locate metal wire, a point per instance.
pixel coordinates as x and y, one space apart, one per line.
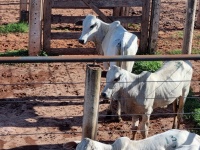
35 83
12 3
76 132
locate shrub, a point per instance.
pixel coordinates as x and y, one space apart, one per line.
151 66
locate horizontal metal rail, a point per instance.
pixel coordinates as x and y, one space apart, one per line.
95 58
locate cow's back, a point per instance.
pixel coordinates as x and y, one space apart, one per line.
113 38
173 80
118 41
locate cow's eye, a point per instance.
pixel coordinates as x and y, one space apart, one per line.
117 79
92 26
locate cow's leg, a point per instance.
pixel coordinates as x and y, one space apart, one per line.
115 109
180 110
135 124
145 123
175 110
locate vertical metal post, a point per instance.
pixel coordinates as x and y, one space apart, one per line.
91 101
189 26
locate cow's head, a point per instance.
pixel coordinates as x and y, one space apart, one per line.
85 144
114 82
90 27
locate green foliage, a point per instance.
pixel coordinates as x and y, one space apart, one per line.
192 105
14 28
43 53
151 66
15 53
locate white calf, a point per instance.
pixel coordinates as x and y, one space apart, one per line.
140 94
169 140
110 39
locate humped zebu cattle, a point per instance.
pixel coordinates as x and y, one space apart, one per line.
110 39
173 139
140 94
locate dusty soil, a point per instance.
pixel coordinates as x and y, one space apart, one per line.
41 105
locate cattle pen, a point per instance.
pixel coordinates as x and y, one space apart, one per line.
38 109
42 97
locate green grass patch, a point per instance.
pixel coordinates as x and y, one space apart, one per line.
150 66
19 53
196 51
14 53
14 28
178 34
179 51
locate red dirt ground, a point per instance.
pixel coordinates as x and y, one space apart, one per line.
44 116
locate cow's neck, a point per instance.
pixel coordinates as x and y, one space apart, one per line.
130 80
131 77
103 30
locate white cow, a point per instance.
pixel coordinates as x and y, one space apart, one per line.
170 140
140 94
110 39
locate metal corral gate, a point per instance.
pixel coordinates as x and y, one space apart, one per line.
95 5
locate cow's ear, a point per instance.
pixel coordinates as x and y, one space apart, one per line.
70 145
79 23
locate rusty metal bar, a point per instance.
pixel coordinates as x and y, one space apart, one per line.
94 58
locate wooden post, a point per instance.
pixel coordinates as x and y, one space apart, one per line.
47 25
121 11
189 26
144 26
35 30
198 17
23 11
91 101
154 26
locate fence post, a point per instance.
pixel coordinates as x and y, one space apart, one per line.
91 101
23 11
154 26
145 27
198 17
189 26
47 25
35 27
121 11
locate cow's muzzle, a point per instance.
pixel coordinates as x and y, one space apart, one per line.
104 95
81 41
